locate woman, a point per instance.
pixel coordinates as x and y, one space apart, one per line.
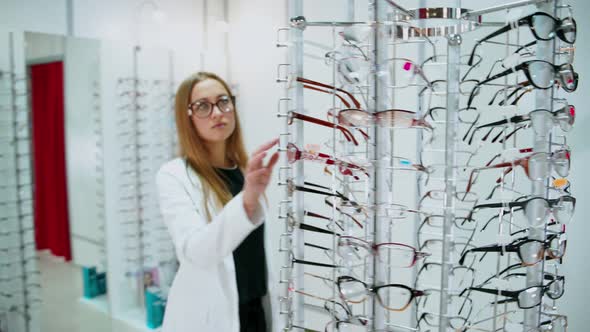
218 239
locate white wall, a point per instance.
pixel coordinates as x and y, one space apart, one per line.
179 28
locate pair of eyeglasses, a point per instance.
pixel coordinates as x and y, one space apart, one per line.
542 25
356 117
512 91
539 208
399 296
345 168
563 117
393 118
536 166
392 254
202 108
526 298
541 74
552 248
504 273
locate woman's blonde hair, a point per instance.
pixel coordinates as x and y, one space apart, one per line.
192 146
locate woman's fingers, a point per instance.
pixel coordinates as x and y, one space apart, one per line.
266 146
256 161
259 179
273 160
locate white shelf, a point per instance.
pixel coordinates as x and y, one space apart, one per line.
136 319
100 303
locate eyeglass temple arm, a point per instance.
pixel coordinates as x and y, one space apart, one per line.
500 31
301 261
525 46
316 246
506 172
512 133
471 179
472 129
490 248
352 98
499 205
502 74
347 104
313 191
312 228
324 123
510 267
514 119
508 293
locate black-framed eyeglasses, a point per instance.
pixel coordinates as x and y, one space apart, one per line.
202 108
552 248
541 74
565 29
356 291
539 208
526 298
563 117
557 282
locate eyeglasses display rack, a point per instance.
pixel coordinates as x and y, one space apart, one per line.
418 102
20 285
146 140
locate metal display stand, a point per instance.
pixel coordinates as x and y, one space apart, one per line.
455 211
20 288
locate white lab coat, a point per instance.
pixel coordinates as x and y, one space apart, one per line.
204 294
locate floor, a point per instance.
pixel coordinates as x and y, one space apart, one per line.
62 309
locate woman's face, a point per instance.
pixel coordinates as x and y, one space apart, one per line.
219 125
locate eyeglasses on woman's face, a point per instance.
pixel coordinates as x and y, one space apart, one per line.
202 108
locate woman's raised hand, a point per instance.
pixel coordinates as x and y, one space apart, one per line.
258 176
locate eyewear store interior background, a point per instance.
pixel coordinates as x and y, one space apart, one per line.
81 239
